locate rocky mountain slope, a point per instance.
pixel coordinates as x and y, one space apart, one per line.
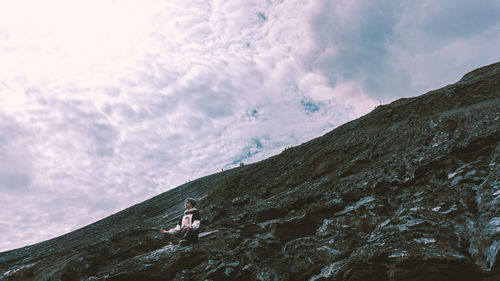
410 191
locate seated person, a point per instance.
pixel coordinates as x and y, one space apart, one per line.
186 230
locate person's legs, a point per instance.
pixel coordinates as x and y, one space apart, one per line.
190 236
174 237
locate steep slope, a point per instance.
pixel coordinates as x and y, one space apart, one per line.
410 191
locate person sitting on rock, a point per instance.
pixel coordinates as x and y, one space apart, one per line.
186 230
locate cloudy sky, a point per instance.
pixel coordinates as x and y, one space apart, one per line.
107 103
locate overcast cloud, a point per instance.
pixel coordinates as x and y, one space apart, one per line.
104 104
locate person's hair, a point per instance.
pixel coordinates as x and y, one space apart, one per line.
191 200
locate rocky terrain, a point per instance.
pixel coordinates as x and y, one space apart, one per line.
411 191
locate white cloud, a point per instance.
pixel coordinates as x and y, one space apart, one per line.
15 159
106 104
440 42
387 45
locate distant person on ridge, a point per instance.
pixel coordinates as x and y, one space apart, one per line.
186 230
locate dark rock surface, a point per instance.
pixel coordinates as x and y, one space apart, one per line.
410 191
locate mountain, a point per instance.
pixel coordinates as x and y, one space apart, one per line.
410 191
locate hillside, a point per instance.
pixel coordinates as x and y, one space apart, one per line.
410 191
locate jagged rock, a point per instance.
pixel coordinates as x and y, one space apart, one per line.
410 191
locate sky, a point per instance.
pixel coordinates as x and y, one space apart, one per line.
107 103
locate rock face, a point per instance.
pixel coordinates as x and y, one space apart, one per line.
410 191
